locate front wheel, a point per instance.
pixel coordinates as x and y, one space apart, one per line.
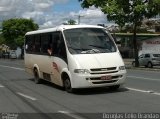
37 80
149 65
67 85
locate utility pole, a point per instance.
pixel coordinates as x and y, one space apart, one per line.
79 18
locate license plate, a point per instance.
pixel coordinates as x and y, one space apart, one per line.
108 77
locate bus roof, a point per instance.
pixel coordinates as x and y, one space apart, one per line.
61 28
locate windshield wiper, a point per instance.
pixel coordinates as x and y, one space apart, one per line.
98 46
101 47
80 49
91 51
74 48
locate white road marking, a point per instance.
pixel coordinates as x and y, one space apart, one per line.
144 91
143 78
26 96
12 67
1 86
71 115
139 90
157 94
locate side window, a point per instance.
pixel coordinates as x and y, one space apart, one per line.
37 44
26 43
44 43
54 43
141 56
147 55
30 47
49 46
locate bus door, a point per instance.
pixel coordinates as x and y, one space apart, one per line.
59 57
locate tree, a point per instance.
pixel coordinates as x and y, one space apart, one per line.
13 31
71 22
127 12
2 40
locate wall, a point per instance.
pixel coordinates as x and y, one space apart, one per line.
151 45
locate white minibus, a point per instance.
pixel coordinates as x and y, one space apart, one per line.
74 56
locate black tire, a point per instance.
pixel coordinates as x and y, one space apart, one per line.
67 85
37 80
150 65
115 87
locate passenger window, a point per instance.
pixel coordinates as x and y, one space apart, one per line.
141 56
30 44
147 55
46 41
37 44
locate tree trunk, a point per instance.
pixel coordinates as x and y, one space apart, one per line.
135 45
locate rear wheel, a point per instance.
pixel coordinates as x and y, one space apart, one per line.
149 65
37 80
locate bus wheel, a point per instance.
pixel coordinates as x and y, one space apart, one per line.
37 80
67 85
116 87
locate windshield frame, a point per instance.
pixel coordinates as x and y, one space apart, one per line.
96 48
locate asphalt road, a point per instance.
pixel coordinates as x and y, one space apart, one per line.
21 97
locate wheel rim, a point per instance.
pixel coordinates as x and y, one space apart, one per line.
67 84
149 65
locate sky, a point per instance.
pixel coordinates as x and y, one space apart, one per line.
50 13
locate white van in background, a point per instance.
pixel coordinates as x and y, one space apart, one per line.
76 56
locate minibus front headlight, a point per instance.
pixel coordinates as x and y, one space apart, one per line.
122 68
81 71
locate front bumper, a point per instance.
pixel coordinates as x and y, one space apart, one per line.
90 80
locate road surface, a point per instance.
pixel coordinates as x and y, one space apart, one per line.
21 97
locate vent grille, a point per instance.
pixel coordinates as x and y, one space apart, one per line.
100 82
103 72
104 69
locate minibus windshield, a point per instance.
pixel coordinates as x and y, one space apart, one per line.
88 41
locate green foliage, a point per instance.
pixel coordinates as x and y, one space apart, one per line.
71 22
127 12
14 30
2 40
129 28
